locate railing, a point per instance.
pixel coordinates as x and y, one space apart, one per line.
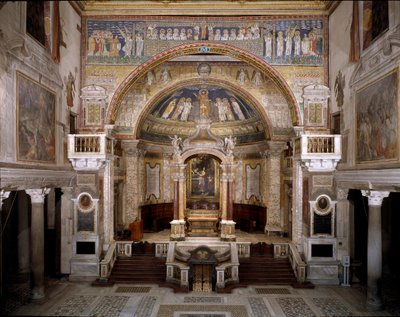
107 264
119 248
318 153
318 144
243 249
87 145
281 250
298 265
161 249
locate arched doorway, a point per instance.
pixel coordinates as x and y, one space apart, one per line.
177 105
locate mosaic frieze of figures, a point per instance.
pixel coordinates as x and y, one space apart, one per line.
279 42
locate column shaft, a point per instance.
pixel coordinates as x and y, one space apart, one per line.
37 241
23 234
229 209
374 255
176 200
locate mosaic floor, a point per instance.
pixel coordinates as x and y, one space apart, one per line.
80 299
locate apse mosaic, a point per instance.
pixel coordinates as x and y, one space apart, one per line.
193 102
277 41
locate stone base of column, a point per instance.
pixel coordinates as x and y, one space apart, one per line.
177 230
228 230
37 294
374 302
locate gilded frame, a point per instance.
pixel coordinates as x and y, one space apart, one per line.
203 178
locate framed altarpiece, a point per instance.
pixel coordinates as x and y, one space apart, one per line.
377 121
203 178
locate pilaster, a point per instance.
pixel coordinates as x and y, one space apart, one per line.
274 183
131 154
297 206
343 222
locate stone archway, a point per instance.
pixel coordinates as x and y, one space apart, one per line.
204 48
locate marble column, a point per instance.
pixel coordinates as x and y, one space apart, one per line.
3 196
178 224
374 256
66 229
23 234
176 198
227 223
274 183
182 186
37 241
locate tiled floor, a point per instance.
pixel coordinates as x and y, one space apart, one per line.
66 298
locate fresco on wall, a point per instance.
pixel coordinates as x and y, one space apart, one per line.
35 121
194 102
277 41
377 120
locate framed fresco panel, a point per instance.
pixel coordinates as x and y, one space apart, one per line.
203 180
35 121
377 120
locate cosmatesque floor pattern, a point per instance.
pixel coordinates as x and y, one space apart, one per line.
64 298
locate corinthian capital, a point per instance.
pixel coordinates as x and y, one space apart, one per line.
37 195
375 198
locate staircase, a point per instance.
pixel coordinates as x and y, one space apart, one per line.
263 269
139 269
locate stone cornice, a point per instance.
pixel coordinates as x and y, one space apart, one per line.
373 179
21 179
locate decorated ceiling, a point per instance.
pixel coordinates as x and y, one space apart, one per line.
179 111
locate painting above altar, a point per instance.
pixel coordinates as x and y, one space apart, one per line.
203 177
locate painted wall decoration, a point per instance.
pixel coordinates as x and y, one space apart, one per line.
377 120
278 41
203 177
193 102
35 121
